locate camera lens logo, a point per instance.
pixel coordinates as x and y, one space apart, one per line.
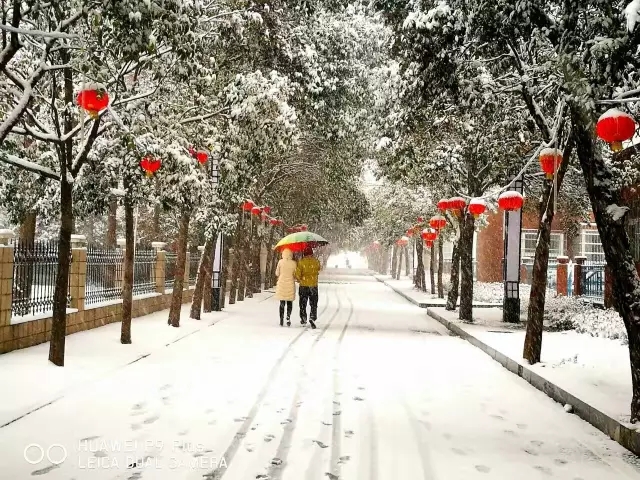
34 453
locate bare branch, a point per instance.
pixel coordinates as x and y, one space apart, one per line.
206 116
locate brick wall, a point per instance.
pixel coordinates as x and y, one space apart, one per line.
27 334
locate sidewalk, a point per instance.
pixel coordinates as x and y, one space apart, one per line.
590 374
29 381
404 287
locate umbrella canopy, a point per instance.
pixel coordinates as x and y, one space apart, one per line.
296 242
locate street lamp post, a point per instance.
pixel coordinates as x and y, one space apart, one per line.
511 262
216 270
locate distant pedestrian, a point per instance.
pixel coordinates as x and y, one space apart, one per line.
307 275
286 286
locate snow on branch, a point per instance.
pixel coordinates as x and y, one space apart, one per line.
39 33
632 13
206 116
29 166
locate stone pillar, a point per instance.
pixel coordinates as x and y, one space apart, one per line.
160 265
561 276
6 280
187 268
577 276
78 275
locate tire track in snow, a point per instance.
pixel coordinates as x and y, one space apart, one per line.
231 451
275 471
336 428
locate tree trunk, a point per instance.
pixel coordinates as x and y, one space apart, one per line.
394 260
205 263
432 269
224 271
407 265
399 265
178 282
454 283
604 202
207 301
440 268
535 315
59 320
421 283
127 284
256 276
110 240
384 267
466 268
235 262
269 261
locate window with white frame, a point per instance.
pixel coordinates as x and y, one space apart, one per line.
592 246
529 240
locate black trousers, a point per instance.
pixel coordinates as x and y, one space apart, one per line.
289 308
309 294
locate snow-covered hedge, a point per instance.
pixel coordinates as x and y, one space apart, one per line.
562 313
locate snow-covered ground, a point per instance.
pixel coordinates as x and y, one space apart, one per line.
378 391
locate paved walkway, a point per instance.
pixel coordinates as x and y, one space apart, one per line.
378 391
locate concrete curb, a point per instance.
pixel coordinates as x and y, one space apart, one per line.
628 438
431 304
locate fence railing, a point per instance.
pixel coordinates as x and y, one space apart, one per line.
144 271
35 266
105 274
170 269
593 280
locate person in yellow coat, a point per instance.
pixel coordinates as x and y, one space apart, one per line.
286 286
307 275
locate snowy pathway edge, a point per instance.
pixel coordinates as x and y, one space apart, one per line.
628 438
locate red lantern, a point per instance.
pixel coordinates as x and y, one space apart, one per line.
267 209
510 201
443 205
438 222
273 222
303 228
429 234
477 207
256 211
93 99
291 230
457 203
615 127
429 243
150 165
202 157
248 205
409 233
550 160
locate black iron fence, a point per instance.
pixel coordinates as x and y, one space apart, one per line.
170 269
105 268
593 280
194 263
35 266
144 271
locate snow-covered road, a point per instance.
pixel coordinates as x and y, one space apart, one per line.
379 391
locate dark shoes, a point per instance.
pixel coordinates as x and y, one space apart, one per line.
312 323
288 322
303 321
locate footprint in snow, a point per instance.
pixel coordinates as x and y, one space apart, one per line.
545 470
337 412
44 471
335 402
276 461
326 423
358 399
360 388
249 448
263 476
135 476
537 443
458 451
150 420
285 421
320 444
348 433
138 406
522 426
560 461
238 420
166 400
510 432
498 417
344 459
332 476
268 438
483 468
530 452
